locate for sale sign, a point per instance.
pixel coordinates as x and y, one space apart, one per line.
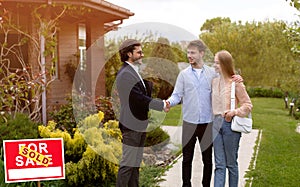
33 160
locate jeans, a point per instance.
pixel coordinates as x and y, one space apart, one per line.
190 133
226 145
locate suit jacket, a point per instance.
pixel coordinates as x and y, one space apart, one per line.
135 99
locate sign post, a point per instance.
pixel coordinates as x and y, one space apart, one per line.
33 160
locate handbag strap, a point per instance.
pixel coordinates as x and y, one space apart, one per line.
232 96
232 99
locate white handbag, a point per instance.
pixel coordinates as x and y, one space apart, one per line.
239 124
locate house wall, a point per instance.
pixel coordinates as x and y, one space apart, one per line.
61 87
95 43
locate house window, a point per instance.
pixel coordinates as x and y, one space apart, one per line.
82 46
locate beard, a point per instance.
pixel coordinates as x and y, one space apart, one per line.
137 61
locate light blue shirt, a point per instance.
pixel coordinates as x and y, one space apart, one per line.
195 93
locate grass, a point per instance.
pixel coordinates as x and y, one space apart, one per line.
173 117
278 160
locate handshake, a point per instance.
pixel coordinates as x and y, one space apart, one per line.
167 106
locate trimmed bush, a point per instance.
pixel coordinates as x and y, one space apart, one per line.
265 92
156 136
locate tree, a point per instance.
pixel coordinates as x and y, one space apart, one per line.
293 31
294 3
161 68
261 51
210 24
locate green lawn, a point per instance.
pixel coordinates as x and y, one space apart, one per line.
278 160
173 117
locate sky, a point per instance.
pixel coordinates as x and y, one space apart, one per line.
189 15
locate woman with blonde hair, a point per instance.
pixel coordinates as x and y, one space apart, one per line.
226 141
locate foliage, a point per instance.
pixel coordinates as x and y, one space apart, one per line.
293 31
161 68
22 82
64 117
156 50
69 114
19 92
92 153
18 127
265 92
74 146
24 72
261 51
209 25
104 104
156 136
149 176
91 170
112 65
294 3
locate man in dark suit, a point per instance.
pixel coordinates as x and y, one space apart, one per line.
135 100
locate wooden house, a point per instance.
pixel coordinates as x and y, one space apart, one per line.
79 38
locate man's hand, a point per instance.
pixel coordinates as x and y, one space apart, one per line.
167 108
237 78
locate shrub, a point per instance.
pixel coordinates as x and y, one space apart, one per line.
20 127
149 176
156 136
74 146
104 104
265 92
92 153
297 115
64 118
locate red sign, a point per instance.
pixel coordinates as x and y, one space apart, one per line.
33 160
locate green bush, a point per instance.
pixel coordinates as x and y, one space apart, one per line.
87 152
297 115
265 92
149 176
156 136
20 127
64 117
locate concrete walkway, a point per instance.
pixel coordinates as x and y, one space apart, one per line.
173 175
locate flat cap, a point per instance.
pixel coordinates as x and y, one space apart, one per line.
128 42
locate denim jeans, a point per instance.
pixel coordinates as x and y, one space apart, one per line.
226 145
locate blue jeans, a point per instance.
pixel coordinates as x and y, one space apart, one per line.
226 145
